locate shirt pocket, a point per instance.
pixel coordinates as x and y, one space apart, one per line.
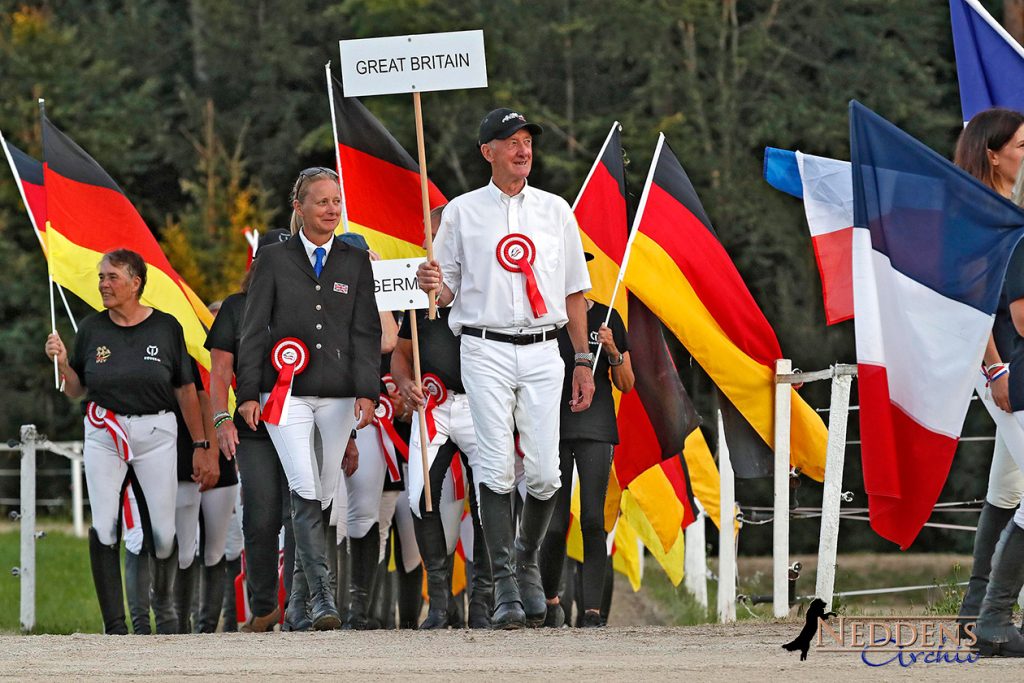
549 252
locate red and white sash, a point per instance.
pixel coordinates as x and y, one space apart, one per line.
101 418
390 441
289 357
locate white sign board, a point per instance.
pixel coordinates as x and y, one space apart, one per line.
394 283
419 63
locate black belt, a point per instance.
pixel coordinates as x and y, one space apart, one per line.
517 339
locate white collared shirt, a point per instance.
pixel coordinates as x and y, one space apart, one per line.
487 295
310 247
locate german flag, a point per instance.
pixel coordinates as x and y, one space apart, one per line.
381 182
656 419
87 215
28 174
688 280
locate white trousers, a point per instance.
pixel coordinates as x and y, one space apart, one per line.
309 476
364 488
454 422
394 509
236 540
514 387
154 444
1005 479
216 507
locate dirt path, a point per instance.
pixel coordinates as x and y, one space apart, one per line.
744 652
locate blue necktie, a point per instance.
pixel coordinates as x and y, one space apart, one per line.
319 252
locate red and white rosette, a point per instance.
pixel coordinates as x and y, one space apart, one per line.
436 394
390 385
101 418
289 357
390 441
516 254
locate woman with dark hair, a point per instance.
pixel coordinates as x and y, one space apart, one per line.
308 360
131 364
265 490
990 148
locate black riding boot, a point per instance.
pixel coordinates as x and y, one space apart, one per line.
106 574
991 523
362 570
296 613
499 530
138 580
184 595
230 607
532 527
482 597
433 549
997 636
311 550
165 572
211 601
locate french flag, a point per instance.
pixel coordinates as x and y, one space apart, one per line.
930 251
989 62
824 185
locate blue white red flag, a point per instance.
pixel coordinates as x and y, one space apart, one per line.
931 246
989 62
825 186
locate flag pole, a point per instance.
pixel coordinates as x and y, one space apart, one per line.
337 149
421 415
632 233
35 226
49 272
424 194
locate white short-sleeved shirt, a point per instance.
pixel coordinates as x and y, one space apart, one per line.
487 295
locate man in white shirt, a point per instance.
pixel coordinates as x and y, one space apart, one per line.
510 260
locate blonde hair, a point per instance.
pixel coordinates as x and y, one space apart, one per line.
301 189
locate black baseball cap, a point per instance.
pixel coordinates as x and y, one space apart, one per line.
354 239
501 123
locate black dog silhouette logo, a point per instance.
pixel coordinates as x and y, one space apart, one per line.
802 642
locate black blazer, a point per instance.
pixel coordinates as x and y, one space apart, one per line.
335 315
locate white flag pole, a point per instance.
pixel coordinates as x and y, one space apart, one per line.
633 230
337 149
49 274
35 226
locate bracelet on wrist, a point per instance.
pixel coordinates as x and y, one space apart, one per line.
585 364
616 361
221 421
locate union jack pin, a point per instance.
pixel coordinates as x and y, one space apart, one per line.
340 288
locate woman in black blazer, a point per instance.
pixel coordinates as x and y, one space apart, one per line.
309 357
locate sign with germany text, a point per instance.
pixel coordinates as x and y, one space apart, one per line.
416 63
394 284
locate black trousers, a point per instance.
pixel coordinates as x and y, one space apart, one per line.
266 508
593 464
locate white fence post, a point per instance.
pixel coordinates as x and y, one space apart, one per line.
695 570
726 532
828 541
77 504
780 524
27 568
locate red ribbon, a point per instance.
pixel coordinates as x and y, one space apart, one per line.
516 253
101 418
460 484
129 520
289 357
436 394
389 439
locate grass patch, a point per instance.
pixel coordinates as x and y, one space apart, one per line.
65 598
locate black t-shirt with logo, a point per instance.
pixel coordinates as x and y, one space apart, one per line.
597 423
132 370
225 336
1013 289
439 347
228 473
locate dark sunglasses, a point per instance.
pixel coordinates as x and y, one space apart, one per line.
317 170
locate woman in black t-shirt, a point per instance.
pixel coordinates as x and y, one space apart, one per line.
991 148
131 364
588 440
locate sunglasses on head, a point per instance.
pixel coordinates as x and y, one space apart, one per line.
317 170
